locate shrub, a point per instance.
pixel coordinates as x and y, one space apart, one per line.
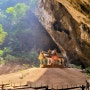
3 62
88 70
10 58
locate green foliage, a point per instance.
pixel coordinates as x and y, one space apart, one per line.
30 58
78 67
11 58
33 54
1 53
18 23
6 50
18 11
27 59
34 58
2 34
75 66
88 70
2 16
3 62
10 10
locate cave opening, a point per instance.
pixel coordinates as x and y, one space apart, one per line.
41 38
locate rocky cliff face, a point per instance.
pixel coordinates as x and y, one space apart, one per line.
67 22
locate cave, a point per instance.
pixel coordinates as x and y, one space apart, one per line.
40 38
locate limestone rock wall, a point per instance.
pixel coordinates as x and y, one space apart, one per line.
70 34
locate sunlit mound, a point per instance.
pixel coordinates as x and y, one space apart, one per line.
45 76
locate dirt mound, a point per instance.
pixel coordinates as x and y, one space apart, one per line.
61 77
46 76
